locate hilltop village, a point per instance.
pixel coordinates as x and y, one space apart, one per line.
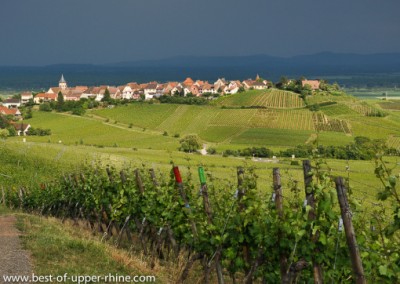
147 91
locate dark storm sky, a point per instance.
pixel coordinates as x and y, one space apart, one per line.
40 32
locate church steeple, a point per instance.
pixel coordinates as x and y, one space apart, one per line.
62 83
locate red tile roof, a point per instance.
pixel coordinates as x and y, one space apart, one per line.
46 96
314 84
9 111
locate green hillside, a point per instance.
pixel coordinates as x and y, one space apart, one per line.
271 98
277 118
69 129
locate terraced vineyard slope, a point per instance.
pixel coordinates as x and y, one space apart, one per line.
271 98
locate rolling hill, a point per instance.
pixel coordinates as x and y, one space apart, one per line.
271 118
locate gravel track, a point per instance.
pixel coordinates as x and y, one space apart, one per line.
13 259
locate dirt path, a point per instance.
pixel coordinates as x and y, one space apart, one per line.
13 260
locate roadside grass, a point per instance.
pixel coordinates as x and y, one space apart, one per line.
58 248
4 210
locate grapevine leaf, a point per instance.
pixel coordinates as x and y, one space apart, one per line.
322 238
392 181
383 270
301 233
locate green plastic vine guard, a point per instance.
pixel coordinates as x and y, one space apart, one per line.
202 176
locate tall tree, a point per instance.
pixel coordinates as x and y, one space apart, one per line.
60 101
107 96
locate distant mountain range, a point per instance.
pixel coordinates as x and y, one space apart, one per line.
324 62
205 68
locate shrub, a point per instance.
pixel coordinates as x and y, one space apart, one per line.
4 133
78 111
190 143
38 132
11 131
45 107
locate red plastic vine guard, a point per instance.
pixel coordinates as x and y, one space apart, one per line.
177 174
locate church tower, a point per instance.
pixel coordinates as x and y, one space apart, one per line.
62 84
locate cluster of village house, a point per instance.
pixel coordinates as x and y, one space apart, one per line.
134 91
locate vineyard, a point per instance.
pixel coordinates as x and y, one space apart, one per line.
394 142
279 99
365 109
219 133
272 98
390 105
338 110
283 119
233 117
72 130
323 123
275 137
224 121
233 231
141 115
324 98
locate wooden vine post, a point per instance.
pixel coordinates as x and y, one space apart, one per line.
153 177
317 271
207 209
349 231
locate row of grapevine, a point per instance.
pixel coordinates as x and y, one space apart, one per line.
366 110
393 142
233 117
323 123
234 231
390 105
279 99
285 119
337 110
